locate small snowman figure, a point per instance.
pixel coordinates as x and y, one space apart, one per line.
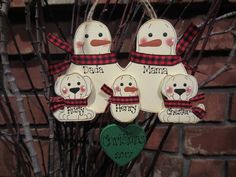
124 99
154 58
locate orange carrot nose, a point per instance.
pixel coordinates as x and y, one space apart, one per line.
152 43
130 89
97 42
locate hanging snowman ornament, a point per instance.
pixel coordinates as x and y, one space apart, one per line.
91 56
180 93
71 103
92 44
124 100
157 55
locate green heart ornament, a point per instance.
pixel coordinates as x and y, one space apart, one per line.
122 144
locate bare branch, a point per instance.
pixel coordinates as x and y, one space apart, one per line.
12 82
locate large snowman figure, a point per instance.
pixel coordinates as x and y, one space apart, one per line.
92 58
154 58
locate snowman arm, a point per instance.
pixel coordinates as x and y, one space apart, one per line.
186 38
60 43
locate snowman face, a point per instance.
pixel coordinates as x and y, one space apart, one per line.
179 87
92 37
157 37
125 85
73 86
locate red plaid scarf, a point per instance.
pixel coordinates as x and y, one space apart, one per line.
118 99
58 103
149 59
98 59
188 105
186 39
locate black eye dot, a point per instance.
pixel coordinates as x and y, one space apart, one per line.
100 34
78 83
184 84
164 34
174 85
121 84
69 84
130 84
150 34
86 35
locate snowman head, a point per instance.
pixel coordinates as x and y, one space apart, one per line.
158 37
125 85
92 37
73 86
179 87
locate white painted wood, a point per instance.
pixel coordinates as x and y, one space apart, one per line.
179 87
125 86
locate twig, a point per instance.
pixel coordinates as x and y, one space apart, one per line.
210 28
12 83
227 66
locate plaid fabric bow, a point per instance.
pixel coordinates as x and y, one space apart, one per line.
188 105
98 59
58 103
118 99
186 39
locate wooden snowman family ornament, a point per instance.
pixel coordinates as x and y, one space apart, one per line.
155 80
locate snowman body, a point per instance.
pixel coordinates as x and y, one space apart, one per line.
92 39
155 57
124 100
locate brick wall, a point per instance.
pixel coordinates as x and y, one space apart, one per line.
207 149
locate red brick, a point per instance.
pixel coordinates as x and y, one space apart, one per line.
33 104
232 108
206 168
166 166
215 106
213 42
24 43
210 140
171 143
21 78
42 157
7 160
210 65
232 168
39 132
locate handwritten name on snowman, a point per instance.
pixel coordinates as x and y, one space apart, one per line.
126 108
75 110
174 111
93 70
147 69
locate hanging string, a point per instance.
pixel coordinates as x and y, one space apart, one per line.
149 8
90 14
